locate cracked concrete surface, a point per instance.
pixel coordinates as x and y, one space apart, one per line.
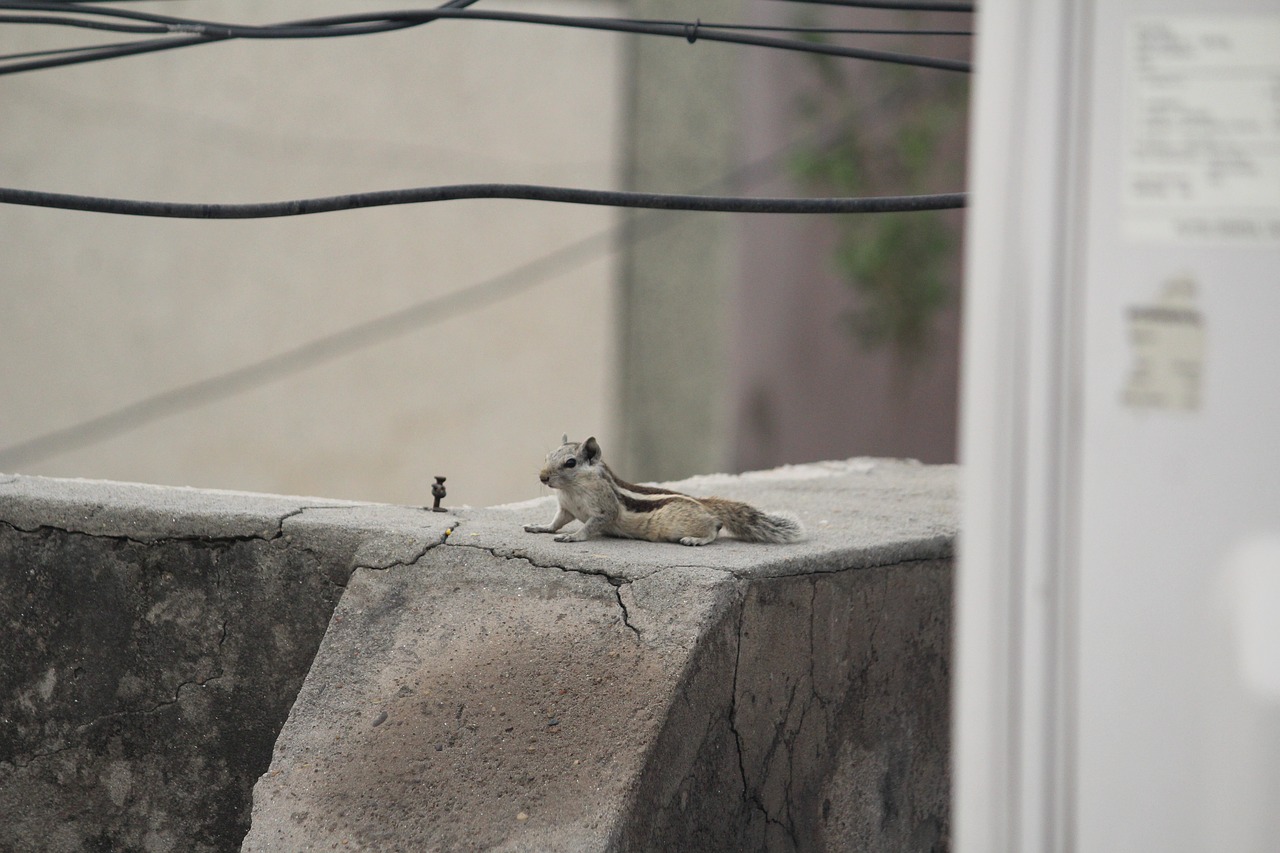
155 640
859 513
462 684
515 693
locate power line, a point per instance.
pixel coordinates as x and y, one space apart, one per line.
414 317
530 192
61 51
111 50
75 56
835 31
63 21
361 336
195 31
299 32
168 25
896 5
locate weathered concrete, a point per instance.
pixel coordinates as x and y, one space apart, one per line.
155 639
476 687
515 693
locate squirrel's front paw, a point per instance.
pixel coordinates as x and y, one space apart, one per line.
537 528
567 537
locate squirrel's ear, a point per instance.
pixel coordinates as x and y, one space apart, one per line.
565 438
591 449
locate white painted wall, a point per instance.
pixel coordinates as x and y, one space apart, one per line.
99 311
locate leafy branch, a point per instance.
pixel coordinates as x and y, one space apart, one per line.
890 129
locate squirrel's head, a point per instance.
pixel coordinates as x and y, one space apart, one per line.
569 461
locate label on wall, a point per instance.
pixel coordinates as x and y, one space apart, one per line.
1202 130
1166 337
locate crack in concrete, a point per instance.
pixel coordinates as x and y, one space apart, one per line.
733 711
823 701
626 616
861 678
781 740
779 729
786 734
787 798
517 554
224 540
616 581
751 795
81 729
400 564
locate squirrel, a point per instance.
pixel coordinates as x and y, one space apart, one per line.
609 506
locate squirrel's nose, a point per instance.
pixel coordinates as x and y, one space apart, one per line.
544 477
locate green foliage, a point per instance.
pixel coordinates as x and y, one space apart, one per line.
899 269
900 139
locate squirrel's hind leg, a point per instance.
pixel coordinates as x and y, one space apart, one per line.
706 535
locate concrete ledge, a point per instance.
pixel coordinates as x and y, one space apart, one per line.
475 687
510 692
155 640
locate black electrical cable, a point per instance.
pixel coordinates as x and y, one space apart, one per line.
362 335
369 23
61 51
76 56
64 21
215 31
896 5
829 31
530 192
171 25
168 24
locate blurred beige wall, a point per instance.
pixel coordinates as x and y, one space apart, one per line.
100 311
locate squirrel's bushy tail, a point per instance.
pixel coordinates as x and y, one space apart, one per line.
745 522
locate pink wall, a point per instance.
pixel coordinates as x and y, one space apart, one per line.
803 387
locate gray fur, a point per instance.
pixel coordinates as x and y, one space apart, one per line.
610 506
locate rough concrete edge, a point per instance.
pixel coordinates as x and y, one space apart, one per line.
647 789
397 534
146 513
808 556
356 536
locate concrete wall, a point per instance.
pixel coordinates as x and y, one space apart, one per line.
677 276
475 686
103 311
156 639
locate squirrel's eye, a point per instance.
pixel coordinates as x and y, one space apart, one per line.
570 462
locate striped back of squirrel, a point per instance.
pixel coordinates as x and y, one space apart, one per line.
587 484
741 520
